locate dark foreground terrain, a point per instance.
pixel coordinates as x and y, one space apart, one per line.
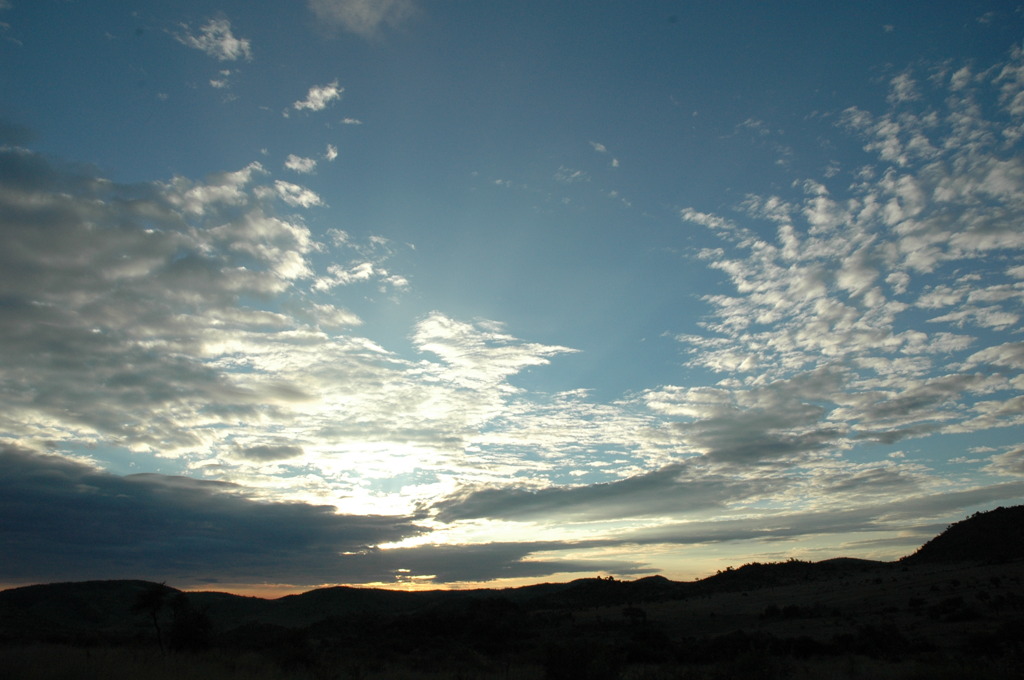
954 609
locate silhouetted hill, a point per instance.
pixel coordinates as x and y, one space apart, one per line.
315 605
993 536
79 612
764 575
71 610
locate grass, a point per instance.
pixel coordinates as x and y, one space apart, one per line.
63 662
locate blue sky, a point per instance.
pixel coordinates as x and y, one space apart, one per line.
436 293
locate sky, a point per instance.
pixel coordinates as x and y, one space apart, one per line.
453 294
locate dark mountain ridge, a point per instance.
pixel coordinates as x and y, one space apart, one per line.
108 610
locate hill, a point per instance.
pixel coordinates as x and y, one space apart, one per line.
78 611
103 607
993 536
960 596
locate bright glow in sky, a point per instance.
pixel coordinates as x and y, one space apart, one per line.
440 293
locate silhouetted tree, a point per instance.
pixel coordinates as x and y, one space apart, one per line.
151 601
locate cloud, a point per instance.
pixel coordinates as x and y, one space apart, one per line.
268 452
295 195
569 176
301 165
903 89
202 321
369 266
134 310
319 97
664 492
832 283
901 514
602 149
331 153
335 317
1009 354
782 420
1008 463
191 532
221 83
216 40
440 564
65 520
478 354
363 17
189 319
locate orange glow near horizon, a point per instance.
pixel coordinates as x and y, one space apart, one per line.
272 590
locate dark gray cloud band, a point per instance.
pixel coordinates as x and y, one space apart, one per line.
668 491
63 520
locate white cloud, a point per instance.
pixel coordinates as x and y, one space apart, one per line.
142 308
300 164
296 195
364 17
570 176
216 39
319 97
840 286
1009 463
335 317
223 82
1009 354
903 89
481 353
197 329
985 317
369 266
339 275
706 219
228 188
192 319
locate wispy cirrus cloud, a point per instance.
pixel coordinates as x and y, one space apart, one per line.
363 17
216 39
